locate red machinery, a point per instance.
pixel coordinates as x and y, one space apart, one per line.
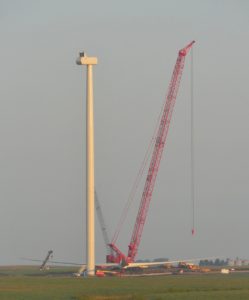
160 141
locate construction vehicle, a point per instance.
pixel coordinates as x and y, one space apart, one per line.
188 266
117 256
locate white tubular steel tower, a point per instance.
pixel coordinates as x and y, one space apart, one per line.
89 62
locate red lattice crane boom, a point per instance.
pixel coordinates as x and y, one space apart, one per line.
155 162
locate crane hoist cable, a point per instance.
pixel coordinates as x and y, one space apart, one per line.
137 181
192 152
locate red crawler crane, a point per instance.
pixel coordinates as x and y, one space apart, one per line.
154 164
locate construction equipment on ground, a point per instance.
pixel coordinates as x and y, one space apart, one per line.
49 255
160 140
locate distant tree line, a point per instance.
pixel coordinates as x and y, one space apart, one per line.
203 262
216 262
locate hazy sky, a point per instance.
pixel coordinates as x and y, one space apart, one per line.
42 132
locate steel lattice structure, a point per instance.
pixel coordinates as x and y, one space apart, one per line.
160 142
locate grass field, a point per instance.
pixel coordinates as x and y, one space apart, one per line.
26 283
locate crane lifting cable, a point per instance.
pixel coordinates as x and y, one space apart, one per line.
192 161
154 163
137 181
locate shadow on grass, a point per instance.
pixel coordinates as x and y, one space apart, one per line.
124 297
